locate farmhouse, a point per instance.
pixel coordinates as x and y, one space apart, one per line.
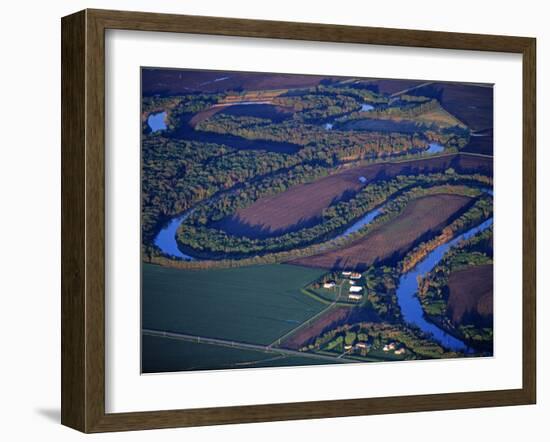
355 297
329 285
400 351
346 273
389 347
355 275
361 345
355 289
348 347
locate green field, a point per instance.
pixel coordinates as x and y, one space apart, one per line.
166 354
249 304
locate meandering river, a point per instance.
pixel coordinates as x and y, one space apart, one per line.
407 298
166 238
409 303
408 288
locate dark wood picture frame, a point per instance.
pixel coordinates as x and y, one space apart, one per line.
83 220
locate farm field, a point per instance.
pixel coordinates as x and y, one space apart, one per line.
471 104
333 316
393 86
272 112
249 304
166 354
177 81
403 124
422 217
471 293
302 205
482 144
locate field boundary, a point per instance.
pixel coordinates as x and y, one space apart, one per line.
303 252
235 344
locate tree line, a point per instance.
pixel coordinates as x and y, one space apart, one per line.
198 234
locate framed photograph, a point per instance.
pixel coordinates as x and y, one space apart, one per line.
269 220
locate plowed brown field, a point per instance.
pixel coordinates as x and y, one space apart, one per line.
423 217
471 293
302 205
471 104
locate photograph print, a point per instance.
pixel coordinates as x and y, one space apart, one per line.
293 220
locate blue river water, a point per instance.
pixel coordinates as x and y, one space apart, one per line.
362 222
435 148
408 287
166 238
408 284
157 121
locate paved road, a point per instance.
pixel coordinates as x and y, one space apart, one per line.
237 344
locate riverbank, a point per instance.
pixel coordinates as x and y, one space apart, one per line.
323 247
411 307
